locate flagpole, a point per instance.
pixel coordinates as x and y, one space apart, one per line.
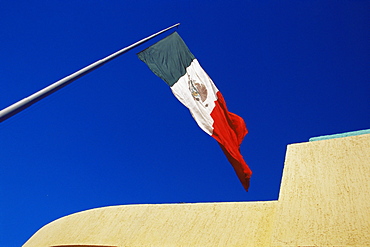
30 100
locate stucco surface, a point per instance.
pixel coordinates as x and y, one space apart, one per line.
198 224
325 194
323 201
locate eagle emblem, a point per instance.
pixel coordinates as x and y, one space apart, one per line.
198 91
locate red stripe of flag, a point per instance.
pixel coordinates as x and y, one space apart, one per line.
229 131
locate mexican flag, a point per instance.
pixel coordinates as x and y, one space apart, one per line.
172 61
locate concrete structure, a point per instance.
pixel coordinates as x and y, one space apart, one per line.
324 201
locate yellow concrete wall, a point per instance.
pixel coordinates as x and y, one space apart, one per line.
325 194
196 224
324 201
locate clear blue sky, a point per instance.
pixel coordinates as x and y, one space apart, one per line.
291 69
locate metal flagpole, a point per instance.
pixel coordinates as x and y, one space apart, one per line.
28 101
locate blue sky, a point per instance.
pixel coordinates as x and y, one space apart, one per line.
291 69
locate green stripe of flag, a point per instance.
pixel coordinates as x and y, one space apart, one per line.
168 58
